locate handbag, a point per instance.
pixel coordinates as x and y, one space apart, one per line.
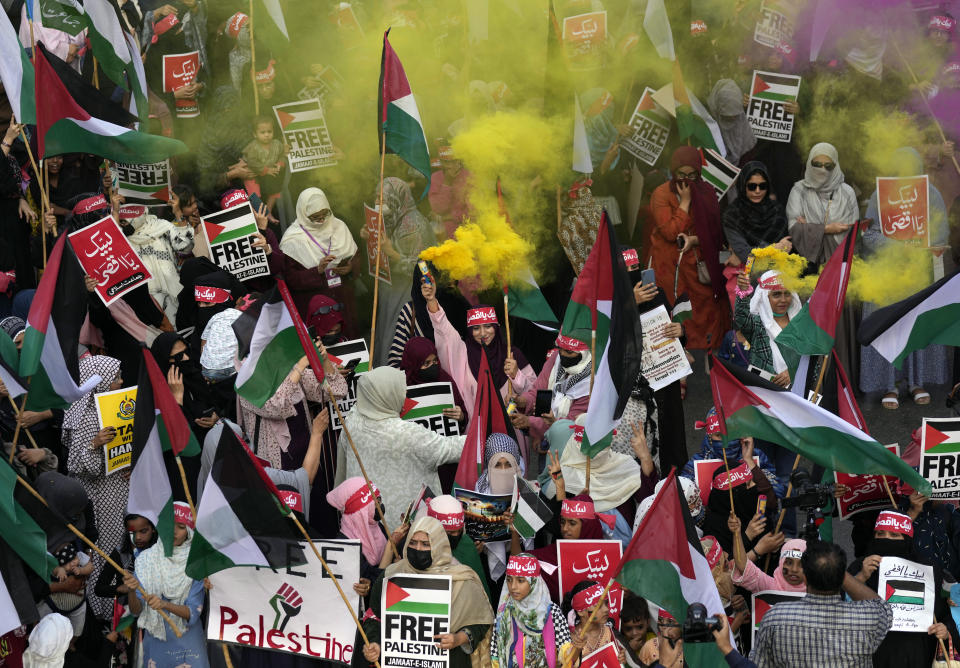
940 661
703 274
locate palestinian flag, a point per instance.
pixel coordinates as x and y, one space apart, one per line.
148 194
109 44
227 225
9 363
488 417
273 347
932 316
398 118
298 117
25 523
242 519
813 329
530 513
85 94
763 601
848 408
418 594
345 352
750 406
665 564
694 122
941 436
683 309
16 73
602 302
63 126
775 87
523 299
907 592
426 400
717 172
159 425
49 352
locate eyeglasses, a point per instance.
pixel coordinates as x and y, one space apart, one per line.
178 357
686 176
319 216
324 310
824 165
756 186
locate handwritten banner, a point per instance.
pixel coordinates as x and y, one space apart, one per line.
909 589
904 208
372 224
179 70
305 132
865 492
115 409
106 255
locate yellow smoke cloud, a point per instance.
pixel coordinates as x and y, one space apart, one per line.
893 273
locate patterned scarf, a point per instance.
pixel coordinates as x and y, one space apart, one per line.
527 618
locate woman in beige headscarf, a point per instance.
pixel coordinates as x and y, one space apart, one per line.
398 454
428 553
320 253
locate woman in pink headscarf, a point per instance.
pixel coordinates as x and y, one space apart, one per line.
787 577
359 521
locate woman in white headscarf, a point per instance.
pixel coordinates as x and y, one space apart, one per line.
48 642
398 454
821 210
320 253
726 105
761 317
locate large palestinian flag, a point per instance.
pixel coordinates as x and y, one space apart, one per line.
159 425
932 316
242 519
603 302
812 330
49 352
750 406
63 126
398 118
664 563
417 594
16 73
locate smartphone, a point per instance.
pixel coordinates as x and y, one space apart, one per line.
312 332
208 412
255 202
762 504
647 277
543 402
352 364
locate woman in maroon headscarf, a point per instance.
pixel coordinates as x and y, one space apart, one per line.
687 230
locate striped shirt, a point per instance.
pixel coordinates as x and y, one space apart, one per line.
819 631
407 328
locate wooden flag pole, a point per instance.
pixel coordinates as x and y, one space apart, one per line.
376 271
186 489
886 486
333 578
363 471
226 655
253 64
583 632
796 460
27 431
506 323
96 75
96 549
726 466
16 431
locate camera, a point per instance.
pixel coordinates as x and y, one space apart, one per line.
698 626
810 497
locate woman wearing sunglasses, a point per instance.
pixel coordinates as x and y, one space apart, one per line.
820 211
754 220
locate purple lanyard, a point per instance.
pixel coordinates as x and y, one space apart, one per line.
326 251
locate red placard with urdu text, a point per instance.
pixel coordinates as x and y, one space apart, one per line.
106 255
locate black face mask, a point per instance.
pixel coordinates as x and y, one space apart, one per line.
454 539
431 373
419 559
887 547
567 362
188 370
330 339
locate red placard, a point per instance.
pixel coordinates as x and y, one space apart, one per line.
180 69
703 470
584 37
371 216
590 560
904 208
605 657
106 255
866 491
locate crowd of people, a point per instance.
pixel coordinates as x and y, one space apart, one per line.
507 607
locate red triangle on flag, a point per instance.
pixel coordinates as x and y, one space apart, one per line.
285 118
703 158
395 594
213 230
761 609
408 405
890 592
759 85
646 103
163 195
933 437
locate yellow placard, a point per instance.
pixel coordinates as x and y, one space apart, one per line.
115 409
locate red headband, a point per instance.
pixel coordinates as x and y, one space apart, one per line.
266 75
524 566
132 211
182 514
715 553
583 600
232 198
482 315
665 616
584 510
771 283
360 499
951 68
293 500
450 521
211 295
712 424
445 153
944 23
896 522
571 344
235 23
91 204
163 25
698 27
630 257
738 476
574 191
